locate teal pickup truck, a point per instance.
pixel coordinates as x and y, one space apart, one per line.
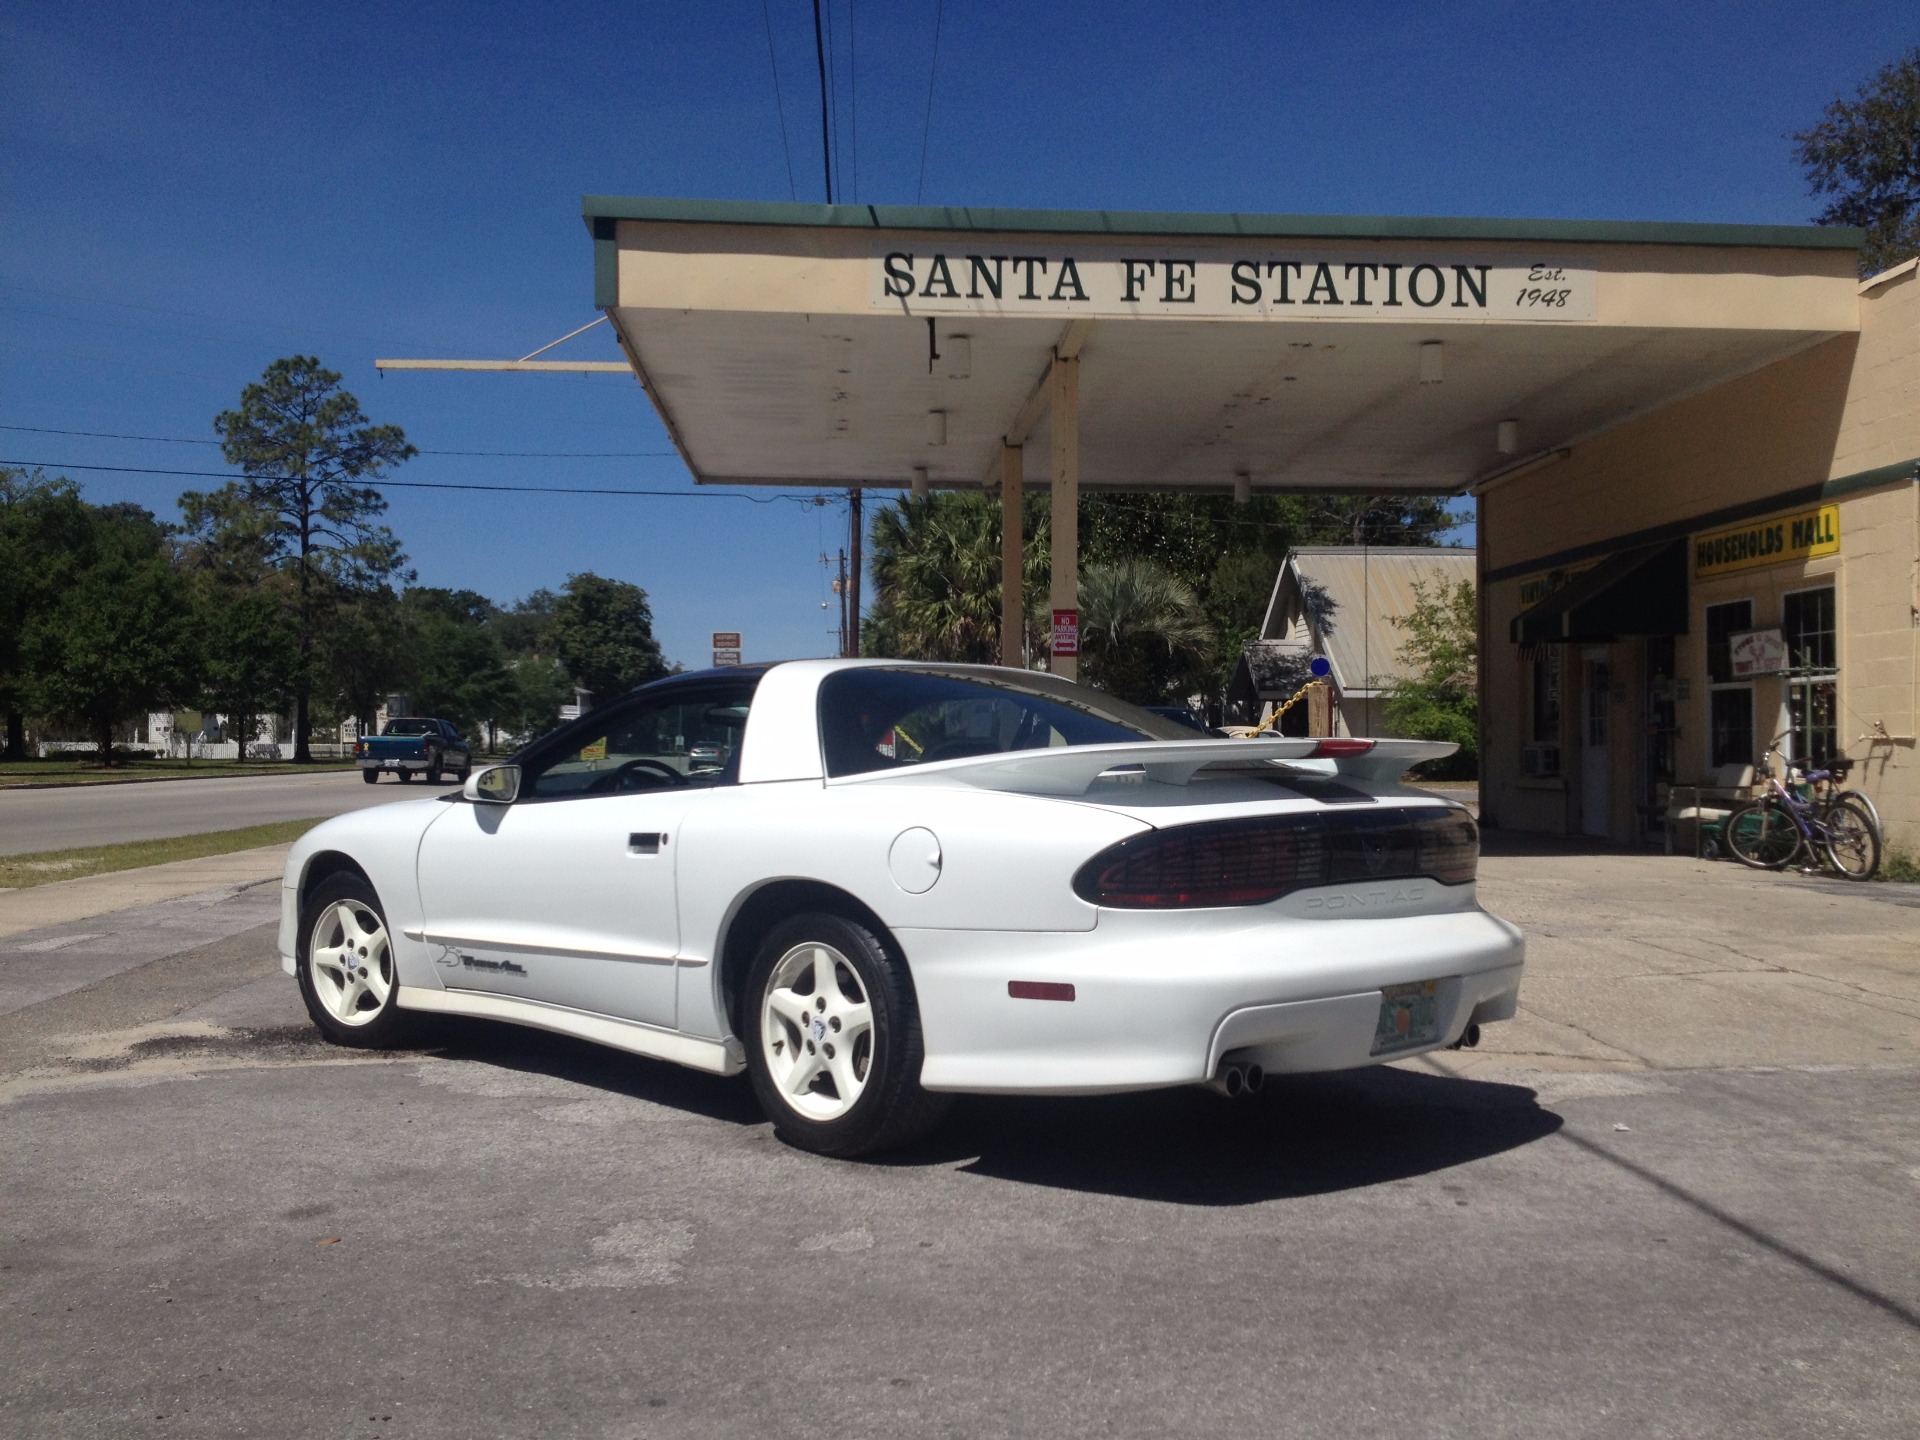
412 746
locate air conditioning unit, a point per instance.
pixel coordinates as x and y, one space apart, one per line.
1540 762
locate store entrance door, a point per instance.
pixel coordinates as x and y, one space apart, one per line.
1595 773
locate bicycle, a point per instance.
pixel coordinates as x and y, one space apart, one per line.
1776 829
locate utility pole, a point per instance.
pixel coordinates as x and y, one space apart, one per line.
840 589
853 577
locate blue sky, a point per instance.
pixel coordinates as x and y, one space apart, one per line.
192 190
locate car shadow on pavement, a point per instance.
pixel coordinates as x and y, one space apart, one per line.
1302 1135
516 1047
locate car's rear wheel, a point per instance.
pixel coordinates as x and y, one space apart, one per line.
345 965
834 1046
406 775
433 773
372 777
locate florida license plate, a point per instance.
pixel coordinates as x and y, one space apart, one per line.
1409 1016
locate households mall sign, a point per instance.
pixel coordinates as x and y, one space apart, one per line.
1143 282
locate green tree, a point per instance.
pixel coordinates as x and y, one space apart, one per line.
245 609
121 640
1865 152
1143 635
936 577
306 451
43 522
456 669
1438 697
363 652
602 631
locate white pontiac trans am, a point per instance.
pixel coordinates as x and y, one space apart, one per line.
874 884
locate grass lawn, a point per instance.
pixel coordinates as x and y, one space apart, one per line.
89 771
19 871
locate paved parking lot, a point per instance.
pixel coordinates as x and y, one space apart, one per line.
1677 1196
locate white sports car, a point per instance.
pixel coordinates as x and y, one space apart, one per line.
874 884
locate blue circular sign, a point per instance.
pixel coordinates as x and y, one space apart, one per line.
1320 668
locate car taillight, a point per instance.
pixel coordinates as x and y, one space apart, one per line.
1253 861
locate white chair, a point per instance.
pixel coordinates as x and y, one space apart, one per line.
1708 804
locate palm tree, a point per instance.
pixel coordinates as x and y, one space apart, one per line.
1143 634
936 577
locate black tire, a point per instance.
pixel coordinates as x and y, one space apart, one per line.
1853 840
406 776
460 775
379 1025
433 771
891 1108
1763 835
372 777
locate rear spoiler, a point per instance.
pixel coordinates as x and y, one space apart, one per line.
1072 769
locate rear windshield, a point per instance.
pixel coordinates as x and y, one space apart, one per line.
411 727
880 719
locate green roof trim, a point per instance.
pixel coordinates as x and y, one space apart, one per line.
597 208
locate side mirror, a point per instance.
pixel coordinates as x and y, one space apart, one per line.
495 785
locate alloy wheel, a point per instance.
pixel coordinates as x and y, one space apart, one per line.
350 962
816 1031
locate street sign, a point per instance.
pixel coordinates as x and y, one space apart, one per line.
1066 632
726 639
726 657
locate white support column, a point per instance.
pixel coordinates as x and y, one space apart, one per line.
1065 484
1012 548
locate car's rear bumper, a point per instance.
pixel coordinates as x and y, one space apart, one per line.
412 763
1161 999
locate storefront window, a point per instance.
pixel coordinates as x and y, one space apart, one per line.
1729 702
1807 625
1546 697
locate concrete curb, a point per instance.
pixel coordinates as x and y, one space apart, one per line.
264 773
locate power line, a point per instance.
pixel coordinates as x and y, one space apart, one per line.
780 105
439 484
826 132
467 454
926 125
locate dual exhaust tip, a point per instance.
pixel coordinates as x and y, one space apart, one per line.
1236 1078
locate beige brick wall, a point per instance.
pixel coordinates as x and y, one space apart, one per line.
1842 406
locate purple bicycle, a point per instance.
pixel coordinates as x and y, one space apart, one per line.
1807 818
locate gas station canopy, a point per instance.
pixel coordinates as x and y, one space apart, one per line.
805 345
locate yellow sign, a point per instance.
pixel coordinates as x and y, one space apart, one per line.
596 751
1802 535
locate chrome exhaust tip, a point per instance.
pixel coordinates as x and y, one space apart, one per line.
1235 1079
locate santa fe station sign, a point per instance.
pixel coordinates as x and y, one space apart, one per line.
1143 283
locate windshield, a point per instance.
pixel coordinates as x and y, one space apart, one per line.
411 727
880 719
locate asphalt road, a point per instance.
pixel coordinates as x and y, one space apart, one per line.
67 817
1677 1197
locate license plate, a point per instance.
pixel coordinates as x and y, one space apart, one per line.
1409 1016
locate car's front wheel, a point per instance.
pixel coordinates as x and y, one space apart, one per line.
345 965
834 1044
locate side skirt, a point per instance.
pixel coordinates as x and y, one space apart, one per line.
716 1057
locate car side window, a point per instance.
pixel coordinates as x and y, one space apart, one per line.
670 742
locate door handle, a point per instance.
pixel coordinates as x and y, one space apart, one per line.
645 842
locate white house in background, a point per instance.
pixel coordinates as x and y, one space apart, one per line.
1339 602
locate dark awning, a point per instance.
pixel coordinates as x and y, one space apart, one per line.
1637 592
